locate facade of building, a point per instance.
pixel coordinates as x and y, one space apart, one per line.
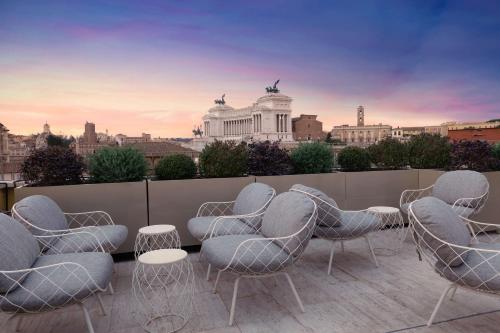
155 151
4 144
490 135
41 139
361 135
122 139
404 134
307 127
269 118
439 129
89 143
453 126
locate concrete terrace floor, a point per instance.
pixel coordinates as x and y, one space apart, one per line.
399 296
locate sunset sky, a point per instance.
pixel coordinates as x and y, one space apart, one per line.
157 66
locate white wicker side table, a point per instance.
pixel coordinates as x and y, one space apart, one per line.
155 237
392 222
163 289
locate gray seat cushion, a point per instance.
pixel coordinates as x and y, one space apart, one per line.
328 212
18 250
259 257
460 210
109 236
454 185
59 289
287 214
252 199
42 212
480 270
200 228
354 224
442 222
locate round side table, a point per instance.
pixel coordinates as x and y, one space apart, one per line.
163 289
392 221
155 237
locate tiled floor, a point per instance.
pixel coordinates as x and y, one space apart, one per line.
396 297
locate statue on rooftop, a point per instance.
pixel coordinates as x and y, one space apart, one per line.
198 132
220 101
274 88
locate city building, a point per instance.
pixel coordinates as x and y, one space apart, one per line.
88 143
41 139
404 134
122 139
4 144
490 135
269 118
438 129
155 151
453 126
306 127
361 135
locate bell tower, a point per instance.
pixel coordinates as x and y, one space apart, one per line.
361 116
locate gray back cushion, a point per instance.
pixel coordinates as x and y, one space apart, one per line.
328 212
252 198
286 215
42 212
441 221
18 250
454 185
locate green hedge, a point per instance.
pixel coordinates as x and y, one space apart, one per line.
314 157
354 159
117 164
176 166
223 159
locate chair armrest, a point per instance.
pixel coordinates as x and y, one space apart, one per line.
216 208
408 196
77 241
70 271
92 218
483 232
222 224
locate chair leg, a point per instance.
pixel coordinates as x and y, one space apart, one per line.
101 304
208 272
342 246
301 306
454 290
233 302
332 251
371 250
216 282
110 289
19 323
438 305
88 321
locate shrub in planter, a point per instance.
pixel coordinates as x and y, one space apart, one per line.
117 164
53 166
266 159
389 153
354 159
429 151
223 159
314 157
473 155
496 150
176 166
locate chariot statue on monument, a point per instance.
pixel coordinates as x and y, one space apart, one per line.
274 88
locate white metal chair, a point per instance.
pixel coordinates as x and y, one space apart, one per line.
335 224
232 217
465 191
287 226
43 217
465 260
31 282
